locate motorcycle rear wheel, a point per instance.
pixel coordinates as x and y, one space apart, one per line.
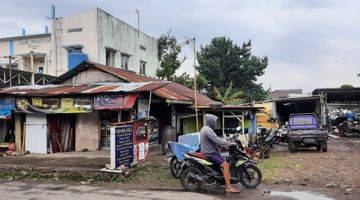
187 182
254 178
174 167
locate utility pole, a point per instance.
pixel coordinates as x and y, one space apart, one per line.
32 68
138 15
195 87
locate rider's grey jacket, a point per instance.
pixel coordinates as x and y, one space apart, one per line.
208 138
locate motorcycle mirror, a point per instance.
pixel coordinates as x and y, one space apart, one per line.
238 128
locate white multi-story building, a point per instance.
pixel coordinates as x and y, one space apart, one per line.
94 35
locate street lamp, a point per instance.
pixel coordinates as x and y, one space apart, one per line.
193 42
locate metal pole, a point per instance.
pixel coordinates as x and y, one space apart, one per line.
32 68
138 21
223 123
10 69
150 96
195 90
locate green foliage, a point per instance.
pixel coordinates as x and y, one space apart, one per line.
346 86
168 52
185 79
222 62
229 96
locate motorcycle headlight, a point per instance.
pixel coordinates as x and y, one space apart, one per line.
239 162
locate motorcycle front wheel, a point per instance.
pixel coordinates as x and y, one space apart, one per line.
187 181
257 154
250 177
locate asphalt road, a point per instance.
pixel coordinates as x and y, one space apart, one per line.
31 191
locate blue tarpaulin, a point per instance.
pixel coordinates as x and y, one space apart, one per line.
191 140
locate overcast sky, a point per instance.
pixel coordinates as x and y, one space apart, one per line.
310 43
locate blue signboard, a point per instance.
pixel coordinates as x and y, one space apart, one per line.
6 106
124 145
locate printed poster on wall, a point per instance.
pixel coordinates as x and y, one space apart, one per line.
143 108
125 101
53 105
7 104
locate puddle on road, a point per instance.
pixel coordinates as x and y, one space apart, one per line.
300 195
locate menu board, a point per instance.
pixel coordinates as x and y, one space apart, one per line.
123 146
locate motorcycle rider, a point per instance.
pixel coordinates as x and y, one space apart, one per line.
209 143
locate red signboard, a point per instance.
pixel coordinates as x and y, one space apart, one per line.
107 101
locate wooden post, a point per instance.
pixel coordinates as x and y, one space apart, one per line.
23 130
17 132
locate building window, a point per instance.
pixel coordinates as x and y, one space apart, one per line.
110 57
142 47
41 70
125 61
71 30
74 49
142 67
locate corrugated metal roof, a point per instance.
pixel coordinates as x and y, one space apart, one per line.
171 91
91 88
230 107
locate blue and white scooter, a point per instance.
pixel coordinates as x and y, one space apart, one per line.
179 150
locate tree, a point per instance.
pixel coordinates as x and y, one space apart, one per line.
222 62
185 79
346 86
230 96
168 53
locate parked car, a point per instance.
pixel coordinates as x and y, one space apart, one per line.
305 131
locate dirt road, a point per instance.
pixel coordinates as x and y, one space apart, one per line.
306 174
337 169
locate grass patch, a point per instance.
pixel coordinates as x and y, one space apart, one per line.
152 175
273 163
272 168
146 174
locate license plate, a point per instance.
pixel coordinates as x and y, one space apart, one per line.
309 140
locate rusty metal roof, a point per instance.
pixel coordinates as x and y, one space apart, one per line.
76 89
229 107
172 91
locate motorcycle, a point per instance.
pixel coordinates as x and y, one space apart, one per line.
176 161
281 137
255 150
199 171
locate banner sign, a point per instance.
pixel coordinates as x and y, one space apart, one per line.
7 104
54 105
102 102
122 146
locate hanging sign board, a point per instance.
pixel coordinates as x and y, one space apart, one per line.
54 105
122 146
7 104
143 108
102 102
67 103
